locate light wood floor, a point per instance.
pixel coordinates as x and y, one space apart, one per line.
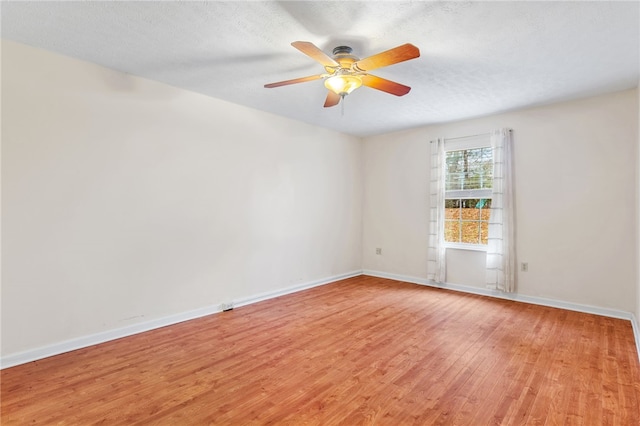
360 351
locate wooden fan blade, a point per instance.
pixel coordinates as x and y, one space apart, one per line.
333 99
294 81
385 85
314 52
388 57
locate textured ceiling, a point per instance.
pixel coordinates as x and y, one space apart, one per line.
477 58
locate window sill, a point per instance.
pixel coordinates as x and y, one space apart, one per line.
462 246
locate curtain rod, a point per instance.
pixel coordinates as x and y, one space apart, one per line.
465 137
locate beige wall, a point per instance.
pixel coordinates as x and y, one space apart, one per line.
126 200
575 180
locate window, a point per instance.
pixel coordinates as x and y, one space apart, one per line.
468 183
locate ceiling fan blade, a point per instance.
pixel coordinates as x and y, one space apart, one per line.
385 85
294 81
388 57
333 99
314 52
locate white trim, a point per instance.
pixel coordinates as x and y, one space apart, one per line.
397 277
105 336
636 332
553 303
467 142
101 337
12 360
466 246
468 194
277 293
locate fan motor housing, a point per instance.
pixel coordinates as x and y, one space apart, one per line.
343 56
342 50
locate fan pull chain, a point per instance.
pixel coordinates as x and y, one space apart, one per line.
342 107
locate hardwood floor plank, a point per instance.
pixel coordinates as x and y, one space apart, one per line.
356 352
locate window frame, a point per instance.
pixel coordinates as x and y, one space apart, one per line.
459 144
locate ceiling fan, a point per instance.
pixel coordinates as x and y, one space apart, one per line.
345 72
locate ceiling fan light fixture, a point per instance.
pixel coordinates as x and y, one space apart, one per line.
343 84
345 72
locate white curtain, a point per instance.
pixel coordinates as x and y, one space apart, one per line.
436 262
501 256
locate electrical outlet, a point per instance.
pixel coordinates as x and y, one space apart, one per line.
524 266
378 251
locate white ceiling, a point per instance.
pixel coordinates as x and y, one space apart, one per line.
477 58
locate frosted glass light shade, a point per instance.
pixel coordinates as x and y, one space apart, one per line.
343 84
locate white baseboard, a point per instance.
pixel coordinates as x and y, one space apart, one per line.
636 332
277 293
613 313
101 337
105 336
